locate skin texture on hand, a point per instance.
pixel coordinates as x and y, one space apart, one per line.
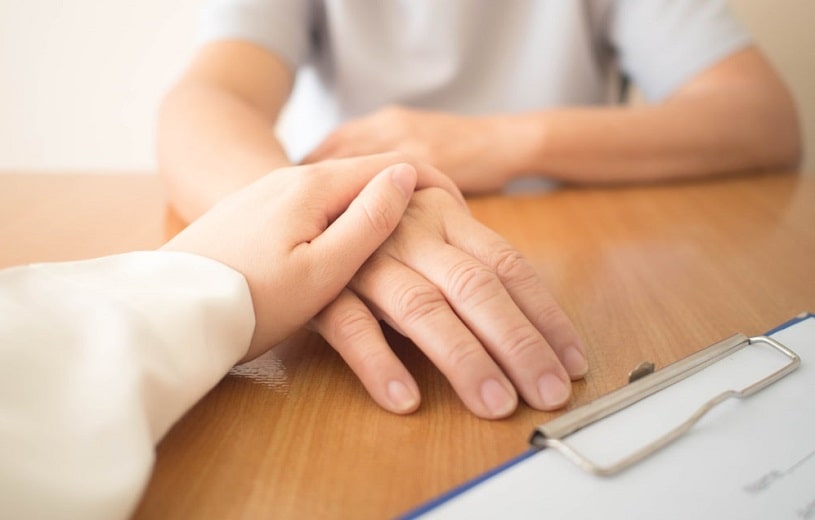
469 301
302 230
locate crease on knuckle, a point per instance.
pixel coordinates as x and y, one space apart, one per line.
468 279
348 326
374 358
521 343
418 302
550 314
511 265
459 356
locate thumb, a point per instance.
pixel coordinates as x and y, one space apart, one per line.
371 217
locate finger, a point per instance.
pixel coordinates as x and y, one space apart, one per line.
348 176
370 218
422 313
350 328
525 287
482 302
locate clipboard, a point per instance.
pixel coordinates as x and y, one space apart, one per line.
571 473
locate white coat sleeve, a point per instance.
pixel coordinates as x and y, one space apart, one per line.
98 359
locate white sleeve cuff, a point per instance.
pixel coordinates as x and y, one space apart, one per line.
97 360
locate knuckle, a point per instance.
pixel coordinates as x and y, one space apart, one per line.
460 356
372 356
468 280
522 343
418 302
551 314
511 265
348 325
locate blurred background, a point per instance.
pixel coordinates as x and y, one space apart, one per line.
80 81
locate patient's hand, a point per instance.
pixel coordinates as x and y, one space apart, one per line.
469 301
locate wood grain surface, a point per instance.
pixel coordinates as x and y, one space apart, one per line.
646 273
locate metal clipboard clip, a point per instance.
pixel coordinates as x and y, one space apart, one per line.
552 434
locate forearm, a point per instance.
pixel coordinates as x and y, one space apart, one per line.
655 143
211 143
737 116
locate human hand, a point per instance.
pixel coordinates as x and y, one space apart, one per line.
305 231
478 153
469 301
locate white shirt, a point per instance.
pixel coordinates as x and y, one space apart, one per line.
473 56
98 359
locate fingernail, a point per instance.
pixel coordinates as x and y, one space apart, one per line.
497 399
402 398
553 391
575 362
404 177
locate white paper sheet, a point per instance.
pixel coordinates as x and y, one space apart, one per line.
752 458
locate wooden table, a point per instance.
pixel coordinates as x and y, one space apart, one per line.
646 273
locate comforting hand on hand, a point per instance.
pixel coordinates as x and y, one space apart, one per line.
470 301
305 231
479 153
331 233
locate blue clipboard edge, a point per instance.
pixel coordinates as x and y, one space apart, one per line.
463 488
798 319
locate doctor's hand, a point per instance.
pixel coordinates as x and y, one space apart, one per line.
478 153
469 301
299 234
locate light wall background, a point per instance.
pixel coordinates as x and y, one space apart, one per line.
80 81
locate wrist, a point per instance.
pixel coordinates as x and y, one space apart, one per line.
520 142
